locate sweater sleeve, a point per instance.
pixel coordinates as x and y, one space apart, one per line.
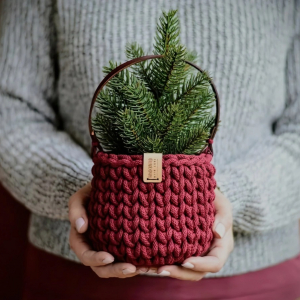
263 186
39 164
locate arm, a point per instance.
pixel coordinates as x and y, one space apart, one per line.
264 185
39 164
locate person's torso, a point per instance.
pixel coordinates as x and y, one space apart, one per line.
242 44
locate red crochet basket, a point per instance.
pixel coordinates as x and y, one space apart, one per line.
151 224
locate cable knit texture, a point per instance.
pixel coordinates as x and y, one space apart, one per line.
51 57
152 224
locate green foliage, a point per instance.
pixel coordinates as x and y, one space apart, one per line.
160 105
142 70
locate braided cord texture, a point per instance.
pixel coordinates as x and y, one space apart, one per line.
152 224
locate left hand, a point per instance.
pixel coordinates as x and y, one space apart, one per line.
101 262
195 268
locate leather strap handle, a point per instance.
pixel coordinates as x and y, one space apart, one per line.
127 64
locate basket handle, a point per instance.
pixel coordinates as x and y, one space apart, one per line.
132 62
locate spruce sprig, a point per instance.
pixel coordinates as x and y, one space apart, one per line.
169 71
143 69
160 105
134 95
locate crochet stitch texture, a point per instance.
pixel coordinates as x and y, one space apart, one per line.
152 223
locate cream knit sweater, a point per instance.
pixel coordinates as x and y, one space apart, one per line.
51 57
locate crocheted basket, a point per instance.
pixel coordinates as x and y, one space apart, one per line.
151 224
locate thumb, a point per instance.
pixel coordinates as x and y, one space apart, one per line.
77 211
223 217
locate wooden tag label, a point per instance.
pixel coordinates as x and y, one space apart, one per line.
152 167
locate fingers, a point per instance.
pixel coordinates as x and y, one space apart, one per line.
223 218
119 270
214 261
100 262
180 273
151 271
84 252
77 211
195 268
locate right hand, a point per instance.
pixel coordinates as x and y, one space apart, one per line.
100 262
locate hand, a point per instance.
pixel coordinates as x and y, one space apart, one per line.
100 262
195 268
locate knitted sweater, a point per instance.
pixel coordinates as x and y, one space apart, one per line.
51 59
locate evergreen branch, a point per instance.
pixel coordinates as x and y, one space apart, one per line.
141 70
154 144
192 102
134 50
133 132
167 32
185 116
196 138
165 118
109 104
169 71
192 87
107 134
135 96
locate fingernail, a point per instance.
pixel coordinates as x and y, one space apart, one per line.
107 260
79 223
220 230
128 271
164 273
188 265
